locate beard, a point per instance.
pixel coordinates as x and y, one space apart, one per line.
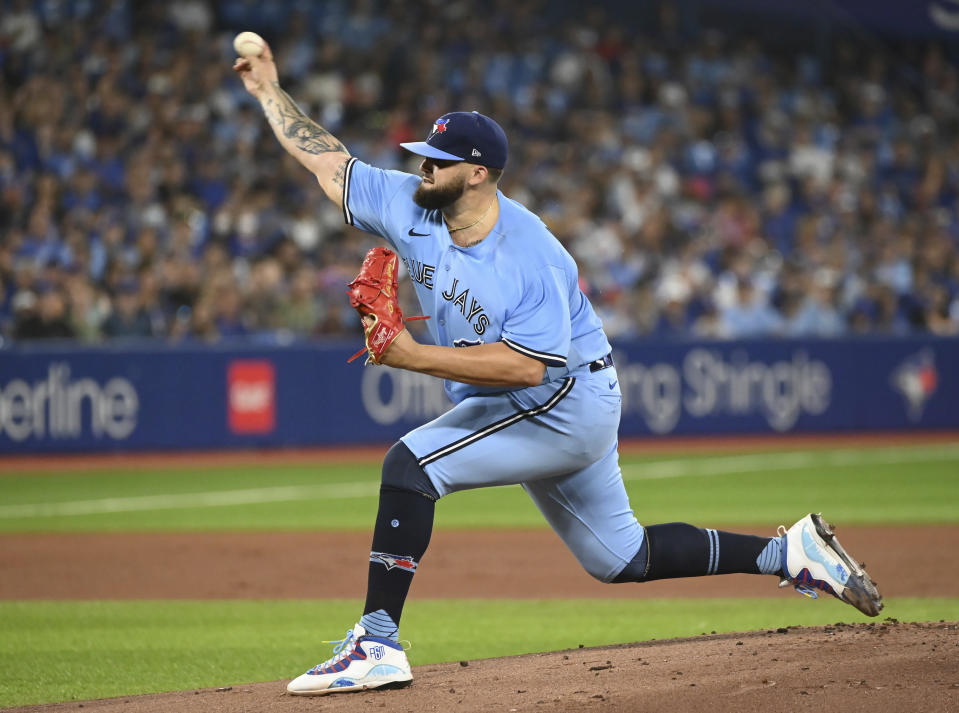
439 197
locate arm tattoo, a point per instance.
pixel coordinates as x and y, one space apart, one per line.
308 136
340 174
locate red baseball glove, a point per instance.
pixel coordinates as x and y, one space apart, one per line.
373 294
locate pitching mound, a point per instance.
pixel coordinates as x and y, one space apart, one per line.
875 667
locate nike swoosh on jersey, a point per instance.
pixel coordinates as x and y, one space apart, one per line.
612 384
418 235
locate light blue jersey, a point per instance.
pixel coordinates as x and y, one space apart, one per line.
519 286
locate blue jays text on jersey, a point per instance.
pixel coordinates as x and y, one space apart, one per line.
519 285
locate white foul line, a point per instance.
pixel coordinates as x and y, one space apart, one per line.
676 468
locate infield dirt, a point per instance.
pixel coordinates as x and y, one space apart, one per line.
523 564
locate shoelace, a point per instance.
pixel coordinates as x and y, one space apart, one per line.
343 648
803 589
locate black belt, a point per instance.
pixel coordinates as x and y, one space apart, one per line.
600 364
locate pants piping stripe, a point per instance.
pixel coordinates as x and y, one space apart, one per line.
500 425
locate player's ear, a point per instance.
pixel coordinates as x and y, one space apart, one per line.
478 174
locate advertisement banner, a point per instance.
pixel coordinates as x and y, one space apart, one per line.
156 397
788 386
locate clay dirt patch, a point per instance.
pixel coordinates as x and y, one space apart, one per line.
880 667
906 561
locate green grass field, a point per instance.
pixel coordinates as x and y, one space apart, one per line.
53 651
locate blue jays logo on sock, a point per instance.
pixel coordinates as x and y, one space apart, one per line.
394 561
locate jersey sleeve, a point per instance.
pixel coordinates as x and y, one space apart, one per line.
375 200
539 326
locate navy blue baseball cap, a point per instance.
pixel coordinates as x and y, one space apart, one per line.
464 136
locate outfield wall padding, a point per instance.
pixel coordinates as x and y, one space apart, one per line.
150 396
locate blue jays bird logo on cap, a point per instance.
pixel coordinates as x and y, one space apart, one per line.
439 127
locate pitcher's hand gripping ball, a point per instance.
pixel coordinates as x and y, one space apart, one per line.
373 294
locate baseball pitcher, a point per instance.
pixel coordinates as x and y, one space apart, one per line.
528 367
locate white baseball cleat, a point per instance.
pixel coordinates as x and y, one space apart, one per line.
812 558
359 662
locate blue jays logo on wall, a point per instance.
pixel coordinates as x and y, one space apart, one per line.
439 127
916 379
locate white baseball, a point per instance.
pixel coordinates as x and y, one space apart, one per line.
249 44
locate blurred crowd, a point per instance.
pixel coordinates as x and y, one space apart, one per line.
708 184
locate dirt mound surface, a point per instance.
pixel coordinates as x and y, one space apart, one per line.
877 667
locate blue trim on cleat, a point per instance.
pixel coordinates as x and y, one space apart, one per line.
815 548
812 551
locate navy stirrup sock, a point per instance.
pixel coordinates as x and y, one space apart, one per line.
404 524
677 549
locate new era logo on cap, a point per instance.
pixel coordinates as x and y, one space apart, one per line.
464 136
